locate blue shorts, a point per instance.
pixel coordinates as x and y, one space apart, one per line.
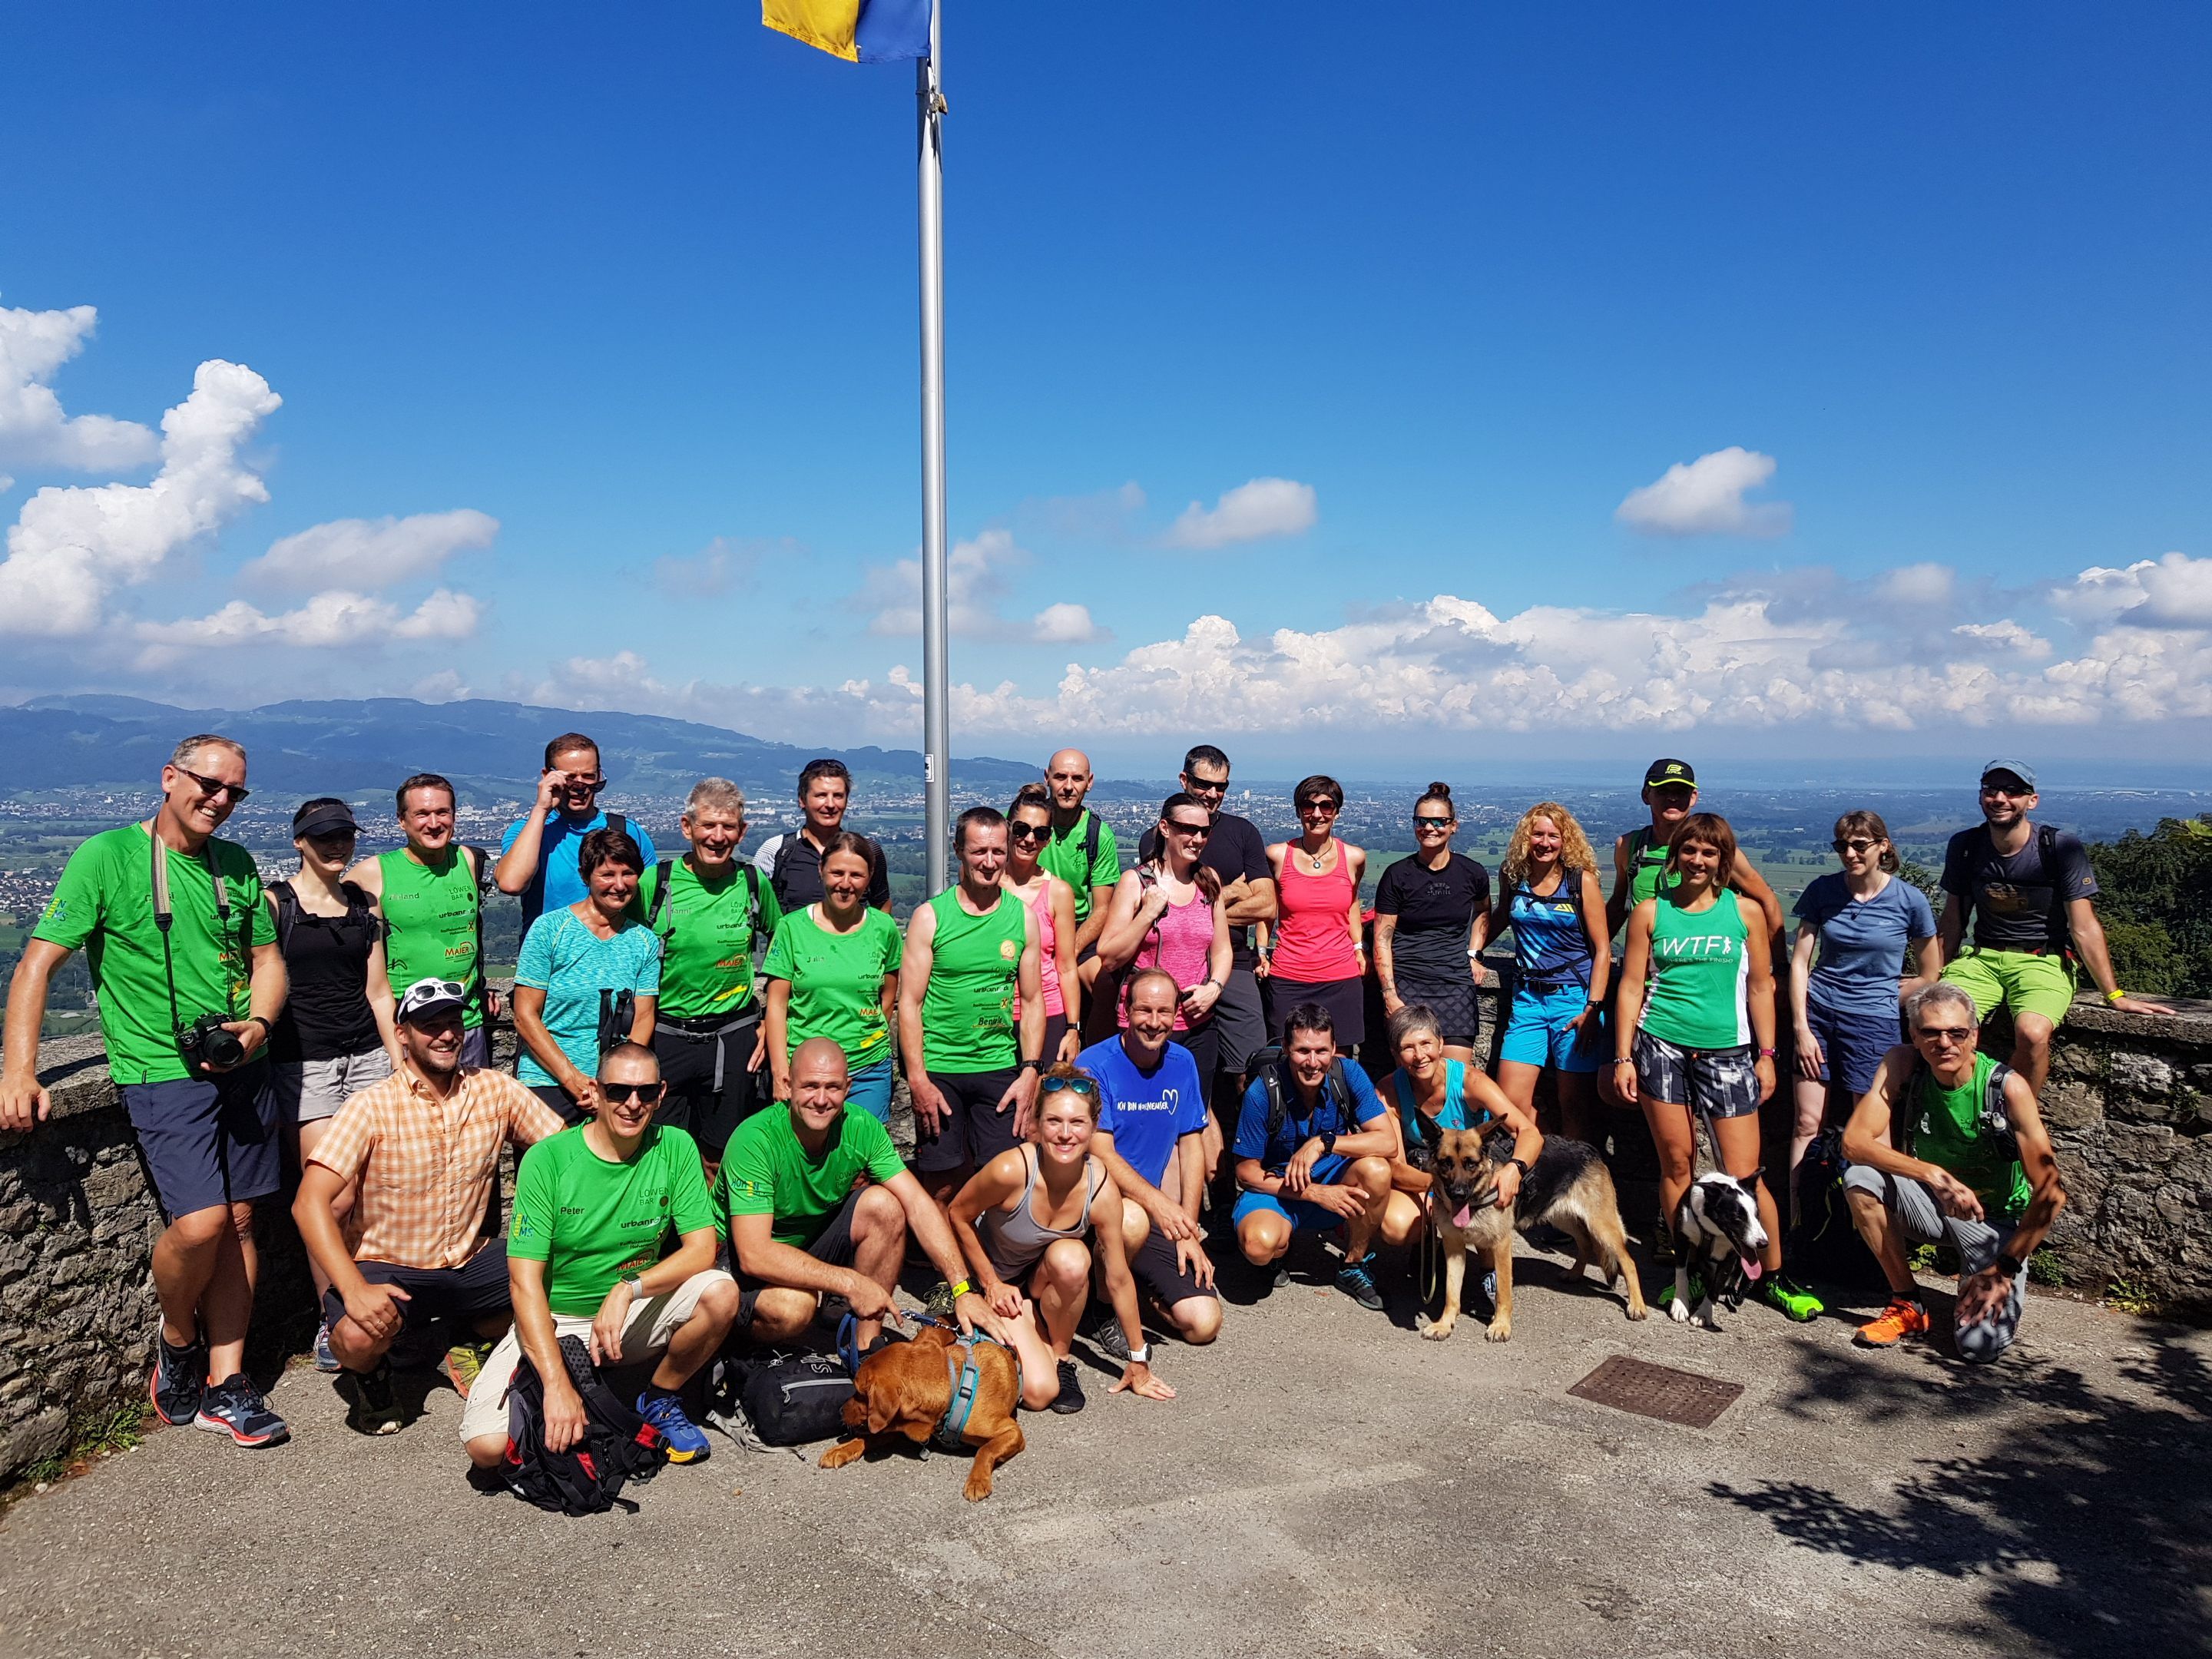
1536 1031
869 1089
1852 1044
207 1141
1303 1214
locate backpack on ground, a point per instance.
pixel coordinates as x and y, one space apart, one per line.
790 1399
1824 1243
617 1446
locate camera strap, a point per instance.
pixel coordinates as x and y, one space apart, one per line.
164 917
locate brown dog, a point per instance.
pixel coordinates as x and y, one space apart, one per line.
1569 1188
906 1387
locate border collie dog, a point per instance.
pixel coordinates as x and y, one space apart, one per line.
1717 1230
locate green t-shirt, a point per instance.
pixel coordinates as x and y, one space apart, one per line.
706 938
591 1221
104 905
1948 1133
974 968
766 1172
1063 856
836 981
430 923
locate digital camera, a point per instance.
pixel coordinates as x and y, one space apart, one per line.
207 1046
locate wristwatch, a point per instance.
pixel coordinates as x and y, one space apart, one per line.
1141 1356
2010 1265
1328 1139
636 1287
1032 1066
1521 1166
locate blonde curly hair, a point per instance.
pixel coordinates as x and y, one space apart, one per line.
1575 851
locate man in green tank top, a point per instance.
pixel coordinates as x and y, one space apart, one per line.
1948 1146
431 892
971 1065
1670 791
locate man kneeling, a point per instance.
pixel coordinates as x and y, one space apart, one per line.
817 1203
1944 1150
592 1208
1307 1156
420 1151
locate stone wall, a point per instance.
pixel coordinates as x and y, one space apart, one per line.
2129 1105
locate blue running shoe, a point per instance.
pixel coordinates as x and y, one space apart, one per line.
1355 1282
325 1361
179 1380
684 1440
235 1406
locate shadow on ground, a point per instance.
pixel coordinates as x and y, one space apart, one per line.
2091 1524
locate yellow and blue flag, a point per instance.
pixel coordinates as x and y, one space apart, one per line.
858 31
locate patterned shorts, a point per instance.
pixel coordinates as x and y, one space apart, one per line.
1719 1082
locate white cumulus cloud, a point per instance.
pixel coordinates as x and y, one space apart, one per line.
2173 592
34 429
373 553
1705 497
70 547
1065 624
977 580
334 619
1252 512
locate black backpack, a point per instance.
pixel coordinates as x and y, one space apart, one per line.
619 1445
1267 1064
1825 1243
791 1399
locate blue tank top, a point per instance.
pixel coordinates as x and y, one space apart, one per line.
1549 940
1452 1114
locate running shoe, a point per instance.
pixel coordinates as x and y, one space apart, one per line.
1697 1292
235 1406
685 1442
1902 1317
325 1360
1354 1279
1790 1299
179 1380
1662 1242
372 1407
465 1362
1109 1340
1070 1398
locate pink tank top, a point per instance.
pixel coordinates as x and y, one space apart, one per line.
1312 945
1047 955
1182 942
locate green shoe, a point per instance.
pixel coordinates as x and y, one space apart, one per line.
1697 1292
1790 1299
938 1305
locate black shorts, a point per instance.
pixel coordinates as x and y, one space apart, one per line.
1157 1270
477 1287
556 1098
975 1130
692 1103
1344 999
1056 1028
207 1141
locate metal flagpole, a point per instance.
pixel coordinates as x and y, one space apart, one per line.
936 718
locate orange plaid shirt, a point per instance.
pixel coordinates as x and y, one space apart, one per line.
424 1167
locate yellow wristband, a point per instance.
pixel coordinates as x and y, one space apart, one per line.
963 1288
2114 994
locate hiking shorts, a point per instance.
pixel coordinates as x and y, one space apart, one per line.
1156 1268
1851 1044
477 1288
1911 1205
1718 1082
1303 1213
973 1130
651 1326
1538 1030
207 1141
2020 980
308 1090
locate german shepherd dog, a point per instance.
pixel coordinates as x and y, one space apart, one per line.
1570 1189
1719 1231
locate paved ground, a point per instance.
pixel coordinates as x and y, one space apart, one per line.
1325 1483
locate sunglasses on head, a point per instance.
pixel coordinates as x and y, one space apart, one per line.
621 1094
213 786
1081 1085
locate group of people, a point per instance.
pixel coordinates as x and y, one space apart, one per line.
1110 1069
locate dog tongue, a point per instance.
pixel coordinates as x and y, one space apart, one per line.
1466 1216
1752 1267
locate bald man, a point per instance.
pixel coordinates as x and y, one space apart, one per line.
1081 849
815 1202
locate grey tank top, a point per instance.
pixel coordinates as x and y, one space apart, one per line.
1015 1238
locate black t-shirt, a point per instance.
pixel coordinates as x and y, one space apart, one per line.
793 868
2019 903
1436 911
326 1013
1235 852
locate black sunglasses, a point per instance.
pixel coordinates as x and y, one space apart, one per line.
1016 830
1182 828
621 1094
1432 823
213 786
1859 847
1318 805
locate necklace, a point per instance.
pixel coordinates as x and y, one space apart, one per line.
1314 859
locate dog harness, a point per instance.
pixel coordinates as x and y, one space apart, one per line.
962 1372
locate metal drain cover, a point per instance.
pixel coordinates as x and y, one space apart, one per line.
1660 1391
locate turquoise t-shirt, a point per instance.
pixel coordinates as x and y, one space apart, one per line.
572 965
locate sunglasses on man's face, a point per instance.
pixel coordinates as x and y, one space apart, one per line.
213 786
621 1094
1207 786
1944 1033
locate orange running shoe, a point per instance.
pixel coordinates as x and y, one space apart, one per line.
1902 1317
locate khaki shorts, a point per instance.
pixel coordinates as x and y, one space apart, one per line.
651 1326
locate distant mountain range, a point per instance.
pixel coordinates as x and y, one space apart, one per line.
490 749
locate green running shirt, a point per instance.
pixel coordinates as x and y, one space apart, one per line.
836 981
1947 1132
1699 969
430 914
706 938
975 965
591 1221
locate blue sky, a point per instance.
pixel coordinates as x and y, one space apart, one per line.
1926 287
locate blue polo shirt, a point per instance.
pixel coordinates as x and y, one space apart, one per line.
1277 1150
557 851
1146 1112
